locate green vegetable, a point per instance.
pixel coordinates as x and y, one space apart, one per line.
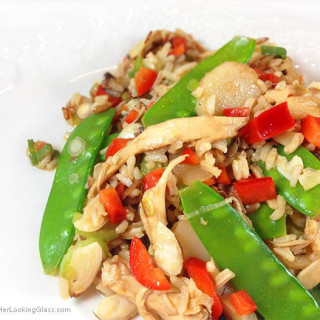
32 152
307 202
179 101
145 170
264 226
234 245
274 51
137 65
57 229
103 236
105 143
43 151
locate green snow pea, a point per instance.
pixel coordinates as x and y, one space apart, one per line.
179 102
307 202
265 227
234 245
274 51
68 190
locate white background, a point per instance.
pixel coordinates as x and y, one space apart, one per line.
46 50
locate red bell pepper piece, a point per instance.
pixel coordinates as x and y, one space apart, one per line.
101 92
113 205
179 46
191 159
267 76
210 182
151 179
150 105
121 188
256 190
242 303
116 145
144 80
236 112
143 268
38 145
224 176
197 270
131 116
268 124
310 128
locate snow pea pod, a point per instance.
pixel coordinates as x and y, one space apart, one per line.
179 102
307 202
265 227
68 190
234 245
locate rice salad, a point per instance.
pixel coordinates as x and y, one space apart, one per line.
189 187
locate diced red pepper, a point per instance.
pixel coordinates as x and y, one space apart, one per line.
242 303
268 124
236 112
143 268
310 128
191 159
131 116
197 270
101 92
151 179
113 205
179 46
144 80
224 176
121 188
267 76
210 182
256 190
116 145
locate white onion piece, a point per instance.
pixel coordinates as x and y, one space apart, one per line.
188 173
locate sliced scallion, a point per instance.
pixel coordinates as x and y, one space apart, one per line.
32 152
76 147
73 178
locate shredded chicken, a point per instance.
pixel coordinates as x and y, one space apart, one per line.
310 276
167 251
183 301
166 133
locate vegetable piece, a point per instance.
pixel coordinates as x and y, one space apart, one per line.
44 151
192 159
268 124
121 188
144 80
234 245
151 179
307 202
137 65
236 112
105 143
269 77
274 51
197 270
265 227
164 134
310 128
179 46
242 303
131 116
32 152
76 147
113 205
101 92
57 229
116 145
143 268
239 49
224 176
256 190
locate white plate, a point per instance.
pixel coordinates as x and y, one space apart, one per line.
50 49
